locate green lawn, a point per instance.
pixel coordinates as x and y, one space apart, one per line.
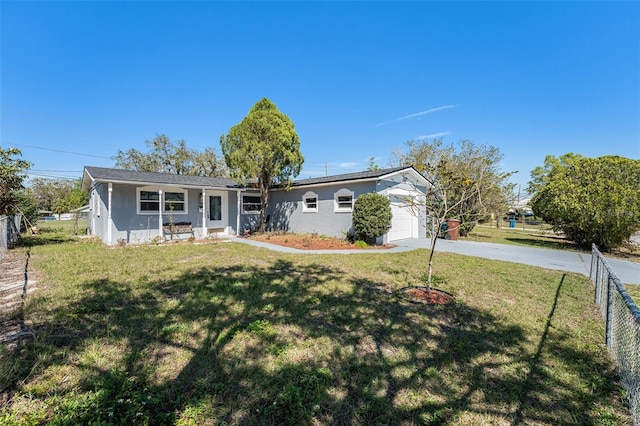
68 227
539 236
225 333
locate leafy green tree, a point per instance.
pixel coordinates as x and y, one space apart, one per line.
13 172
27 208
166 156
371 216
45 192
458 168
541 175
466 183
263 149
442 200
593 200
60 206
77 198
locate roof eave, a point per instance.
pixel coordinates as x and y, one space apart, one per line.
174 185
334 182
411 169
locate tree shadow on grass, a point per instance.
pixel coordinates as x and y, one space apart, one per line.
287 343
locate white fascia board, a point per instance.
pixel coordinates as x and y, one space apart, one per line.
87 180
418 177
164 185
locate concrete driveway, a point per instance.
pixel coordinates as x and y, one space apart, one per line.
570 261
628 272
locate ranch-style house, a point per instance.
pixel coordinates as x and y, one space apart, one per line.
139 207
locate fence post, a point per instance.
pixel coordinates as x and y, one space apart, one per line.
3 236
609 316
594 274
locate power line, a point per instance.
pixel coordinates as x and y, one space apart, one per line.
55 171
58 150
52 176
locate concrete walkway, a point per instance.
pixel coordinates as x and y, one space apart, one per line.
628 272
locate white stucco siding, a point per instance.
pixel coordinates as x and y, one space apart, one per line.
286 209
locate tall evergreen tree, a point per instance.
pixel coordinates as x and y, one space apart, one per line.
263 149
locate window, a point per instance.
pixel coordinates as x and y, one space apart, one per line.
175 201
310 202
343 201
251 204
149 201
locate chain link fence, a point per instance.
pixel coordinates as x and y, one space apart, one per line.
622 324
9 232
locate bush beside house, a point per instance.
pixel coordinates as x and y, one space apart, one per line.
371 216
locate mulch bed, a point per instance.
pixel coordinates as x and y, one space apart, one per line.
311 242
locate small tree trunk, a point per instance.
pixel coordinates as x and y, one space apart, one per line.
434 239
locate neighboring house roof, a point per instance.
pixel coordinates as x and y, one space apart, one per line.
102 174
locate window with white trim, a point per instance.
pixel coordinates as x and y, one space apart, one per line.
251 203
310 202
148 200
343 201
175 202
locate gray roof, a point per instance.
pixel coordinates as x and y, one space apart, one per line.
366 175
103 174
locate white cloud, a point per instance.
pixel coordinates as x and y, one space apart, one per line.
418 114
432 136
344 165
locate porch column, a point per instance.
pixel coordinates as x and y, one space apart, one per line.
160 210
204 214
239 210
109 225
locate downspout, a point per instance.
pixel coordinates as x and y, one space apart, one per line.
239 202
204 215
160 210
94 202
109 214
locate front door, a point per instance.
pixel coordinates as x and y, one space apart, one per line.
217 210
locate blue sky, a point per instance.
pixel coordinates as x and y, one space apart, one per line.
358 79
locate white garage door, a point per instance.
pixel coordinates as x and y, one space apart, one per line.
403 223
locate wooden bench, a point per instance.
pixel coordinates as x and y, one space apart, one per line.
177 228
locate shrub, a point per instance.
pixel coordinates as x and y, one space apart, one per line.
594 200
371 216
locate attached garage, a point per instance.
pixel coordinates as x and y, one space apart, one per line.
404 223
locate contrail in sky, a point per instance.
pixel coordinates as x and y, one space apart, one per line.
433 136
418 114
